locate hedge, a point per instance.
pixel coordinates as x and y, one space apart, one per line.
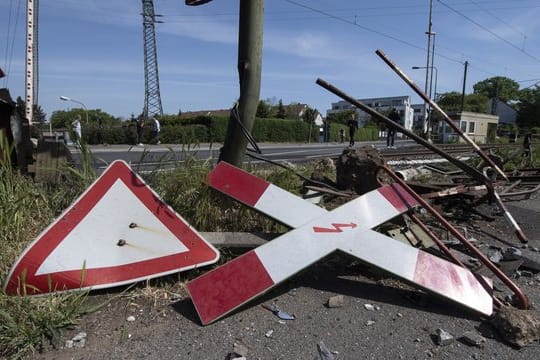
205 129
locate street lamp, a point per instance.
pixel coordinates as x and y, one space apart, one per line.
436 77
65 98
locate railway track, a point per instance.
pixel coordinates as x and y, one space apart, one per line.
418 151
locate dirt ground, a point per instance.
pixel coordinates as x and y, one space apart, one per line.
160 322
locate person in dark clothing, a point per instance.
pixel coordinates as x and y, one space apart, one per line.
390 130
353 125
527 147
140 128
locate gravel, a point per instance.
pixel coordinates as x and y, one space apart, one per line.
154 323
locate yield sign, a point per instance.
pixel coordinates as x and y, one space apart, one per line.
118 231
317 234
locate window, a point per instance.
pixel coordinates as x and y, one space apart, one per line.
471 127
463 126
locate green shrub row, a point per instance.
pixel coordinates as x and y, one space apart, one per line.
205 129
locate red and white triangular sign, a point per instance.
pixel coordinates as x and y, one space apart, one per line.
118 231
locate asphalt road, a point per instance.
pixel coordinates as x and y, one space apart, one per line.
163 156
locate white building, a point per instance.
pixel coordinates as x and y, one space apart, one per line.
382 105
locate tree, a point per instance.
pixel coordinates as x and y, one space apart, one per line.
529 108
263 110
450 102
341 117
39 115
281 114
63 119
498 87
309 115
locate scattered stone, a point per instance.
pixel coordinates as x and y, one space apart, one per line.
535 249
525 273
269 333
371 307
78 341
517 327
512 253
239 350
370 322
324 352
279 313
130 318
336 301
472 338
495 255
443 338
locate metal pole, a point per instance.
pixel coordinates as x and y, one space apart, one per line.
445 117
464 82
428 58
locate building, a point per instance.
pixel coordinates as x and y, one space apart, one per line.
382 105
506 113
481 128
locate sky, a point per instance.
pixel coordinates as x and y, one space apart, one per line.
92 50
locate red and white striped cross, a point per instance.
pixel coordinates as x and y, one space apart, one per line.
318 233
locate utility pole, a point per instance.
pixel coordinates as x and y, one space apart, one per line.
249 72
152 97
31 65
464 83
429 66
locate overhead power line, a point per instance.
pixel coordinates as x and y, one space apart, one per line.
489 31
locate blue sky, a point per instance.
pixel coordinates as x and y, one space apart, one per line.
92 50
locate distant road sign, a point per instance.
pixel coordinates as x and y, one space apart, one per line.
118 231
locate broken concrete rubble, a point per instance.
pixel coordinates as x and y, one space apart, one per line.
517 327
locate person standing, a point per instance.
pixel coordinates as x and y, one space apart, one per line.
140 128
390 130
527 147
77 130
353 125
156 128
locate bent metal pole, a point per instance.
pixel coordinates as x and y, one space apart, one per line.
446 118
474 173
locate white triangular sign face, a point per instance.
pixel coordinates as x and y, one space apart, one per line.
119 231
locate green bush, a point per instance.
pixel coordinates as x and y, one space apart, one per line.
203 129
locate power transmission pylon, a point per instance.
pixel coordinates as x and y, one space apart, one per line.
152 97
